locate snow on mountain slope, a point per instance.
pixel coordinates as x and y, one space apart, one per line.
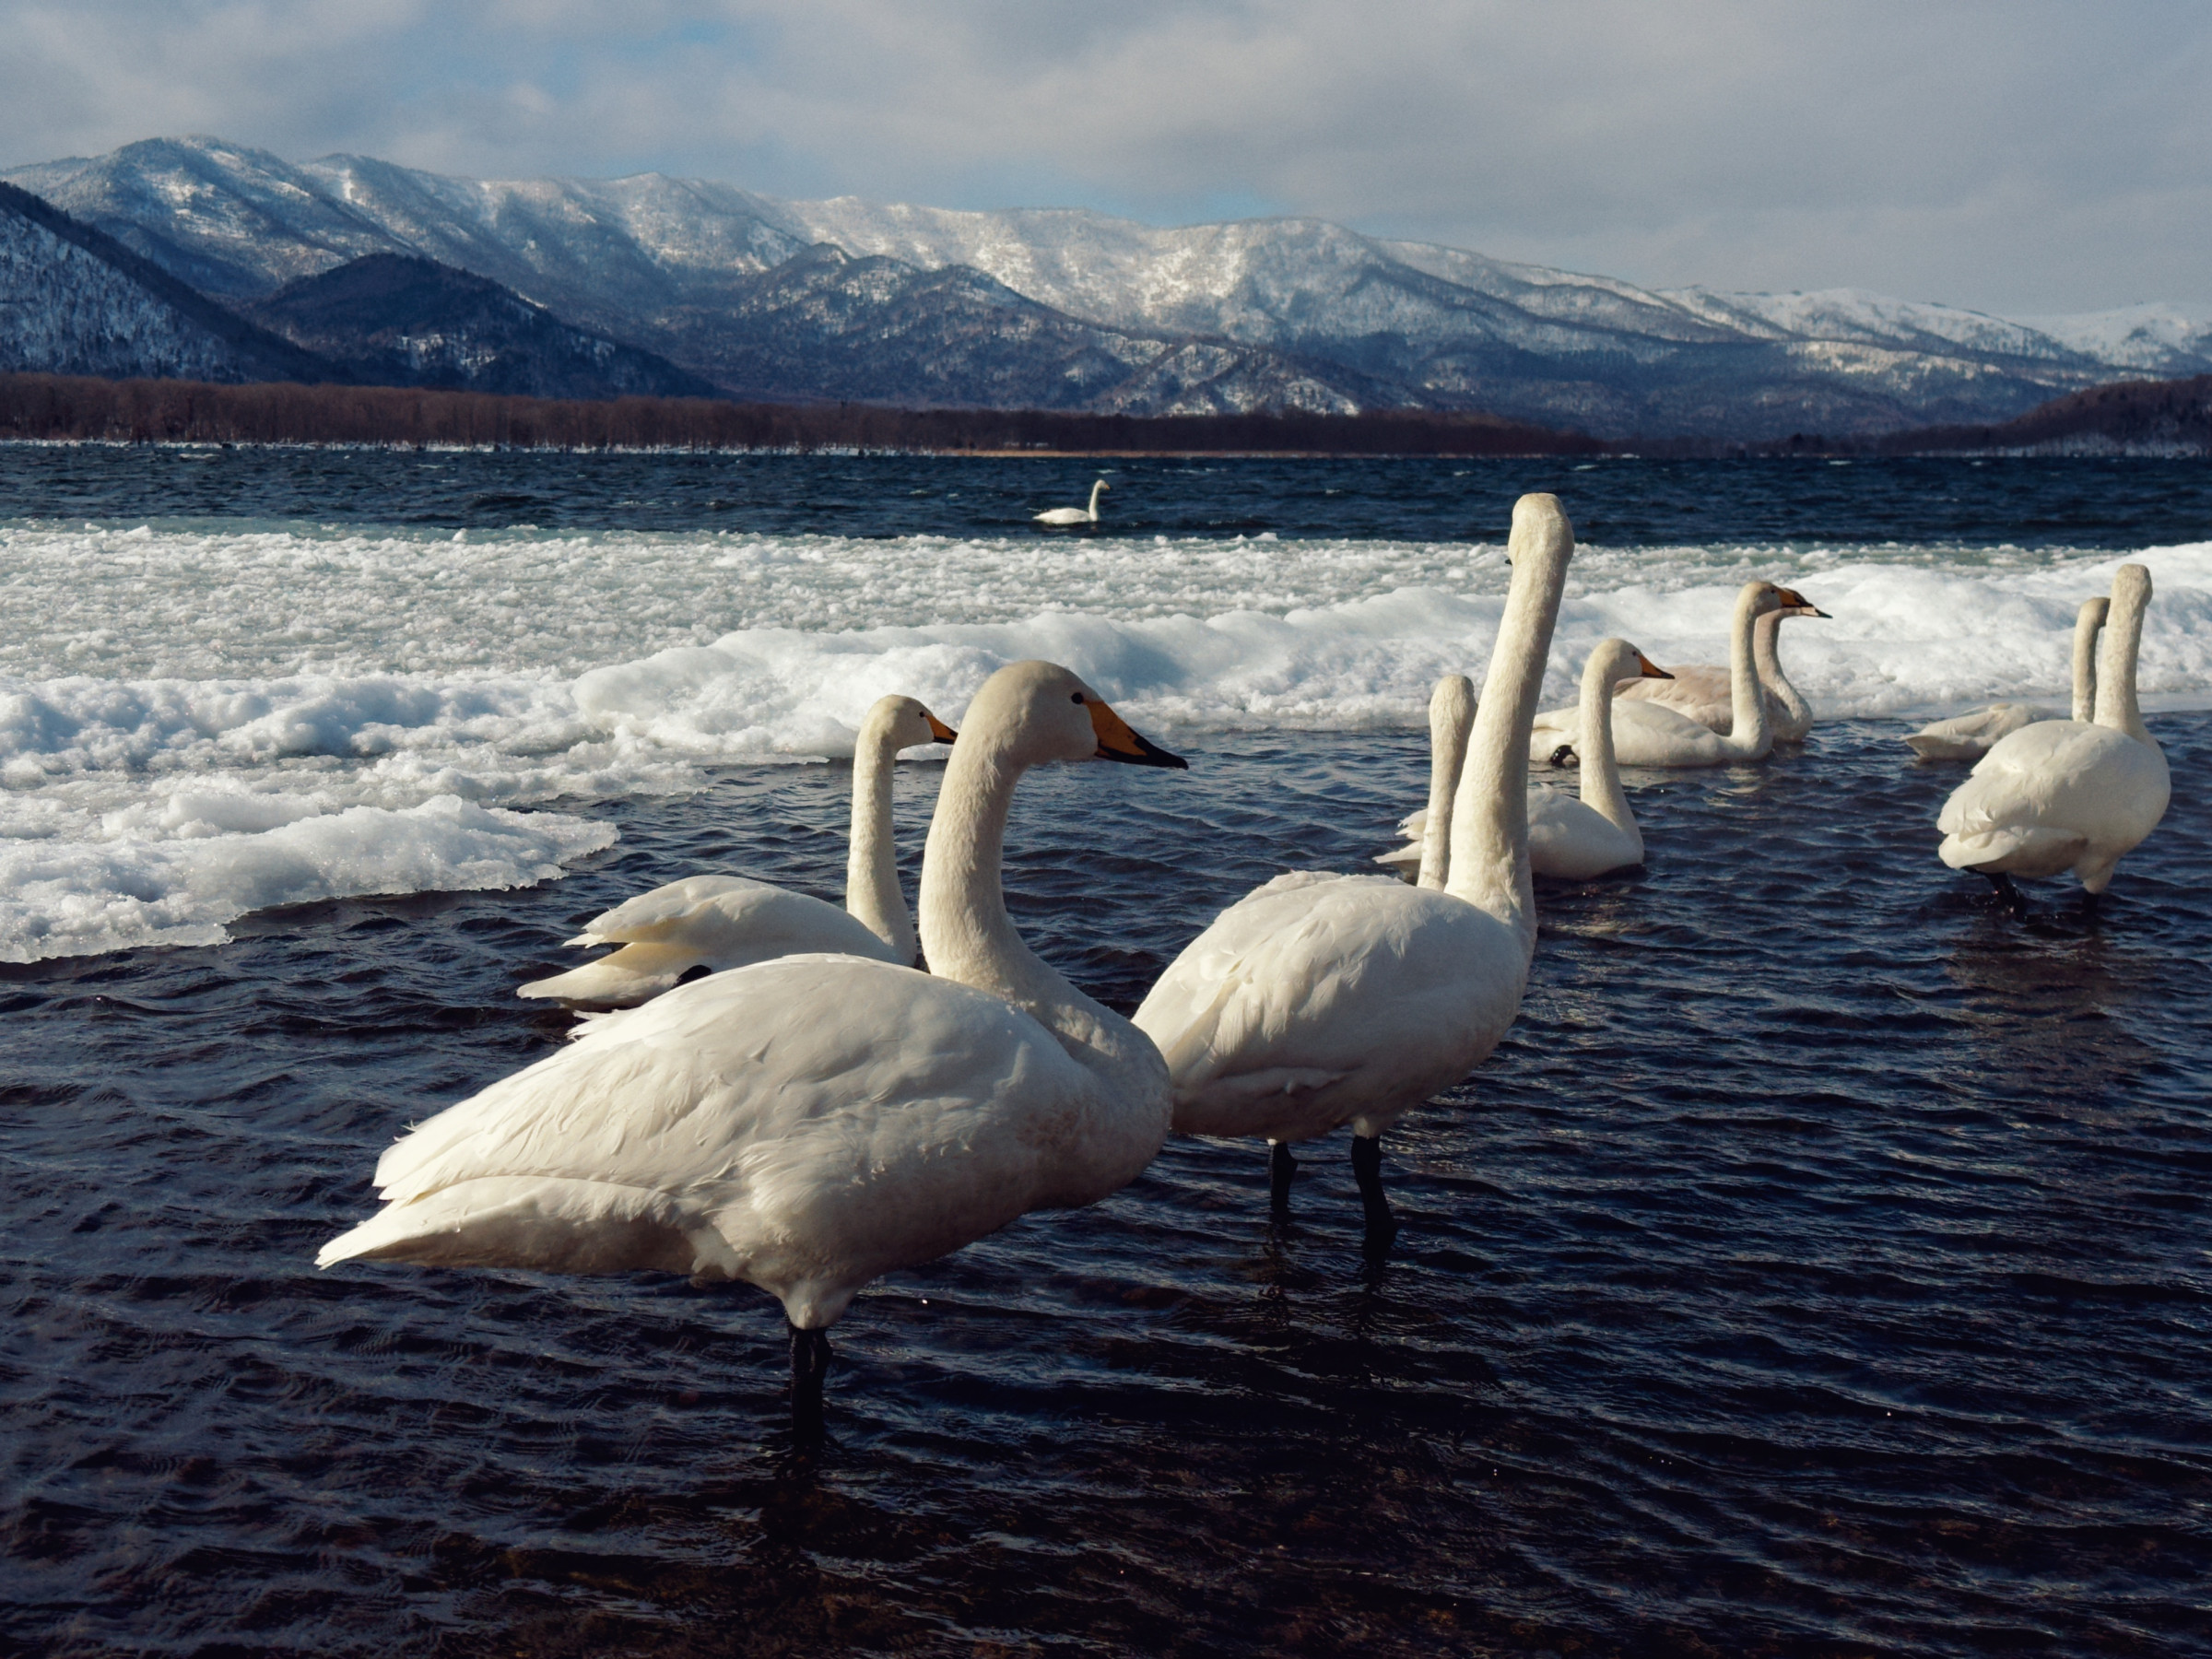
73 303
679 266
2166 340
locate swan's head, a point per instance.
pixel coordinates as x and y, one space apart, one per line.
901 723
1617 660
1452 704
2093 612
1795 604
1039 712
2131 587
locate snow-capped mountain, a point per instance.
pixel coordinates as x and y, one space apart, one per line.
74 302
1070 309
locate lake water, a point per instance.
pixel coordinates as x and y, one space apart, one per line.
1818 1268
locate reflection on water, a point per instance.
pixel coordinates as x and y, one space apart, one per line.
1818 1267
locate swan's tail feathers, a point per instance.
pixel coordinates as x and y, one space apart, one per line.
2024 850
543 1223
633 975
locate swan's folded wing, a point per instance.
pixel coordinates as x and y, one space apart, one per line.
1964 736
651 915
1301 989
805 1124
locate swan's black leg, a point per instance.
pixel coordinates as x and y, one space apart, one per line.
1281 1167
2008 895
1367 1170
810 1370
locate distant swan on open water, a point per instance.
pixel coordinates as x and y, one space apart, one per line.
1075 515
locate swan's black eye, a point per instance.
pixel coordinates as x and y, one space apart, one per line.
1077 697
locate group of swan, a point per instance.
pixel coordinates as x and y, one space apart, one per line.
811 1120
813 1110
1568 839
1075 515
809 1123
1707 715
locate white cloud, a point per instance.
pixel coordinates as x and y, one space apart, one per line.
2029 155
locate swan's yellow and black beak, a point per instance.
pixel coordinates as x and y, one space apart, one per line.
1117 742
1794 600
940 732
1647 669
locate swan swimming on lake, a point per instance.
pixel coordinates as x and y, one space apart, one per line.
2067 795
1075 515
1971 735
1321 999
1705 691
810 1124
707 923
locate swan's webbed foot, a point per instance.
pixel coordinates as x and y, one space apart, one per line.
810 1370
1281 1168
1367 1170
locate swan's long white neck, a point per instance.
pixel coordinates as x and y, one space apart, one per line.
1601 788
1094 497
1490 814
2123 641
1765 639
872 891
1451 716
1749 733
2086 623
965 930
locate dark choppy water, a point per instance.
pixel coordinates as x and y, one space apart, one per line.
1819 1267
2077 502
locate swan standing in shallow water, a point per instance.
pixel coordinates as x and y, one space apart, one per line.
1569 839
808 1123
2067 795
1970 736
1705 692
1075 515
1319 999
1648 734
707 923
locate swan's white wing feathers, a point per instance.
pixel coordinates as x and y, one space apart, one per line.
746 1119
1317 999
712 921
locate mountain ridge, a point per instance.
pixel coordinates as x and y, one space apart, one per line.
1290 312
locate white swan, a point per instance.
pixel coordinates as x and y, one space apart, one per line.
1321 999
1705 693
1569 839
1075 515
1573 840
1971 735
706 924
1648 734
808 1123
2067 795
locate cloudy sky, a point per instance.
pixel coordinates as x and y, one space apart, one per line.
2021 157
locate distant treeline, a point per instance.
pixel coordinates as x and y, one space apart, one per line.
147 411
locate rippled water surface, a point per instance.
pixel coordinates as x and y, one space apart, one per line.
1818 1268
